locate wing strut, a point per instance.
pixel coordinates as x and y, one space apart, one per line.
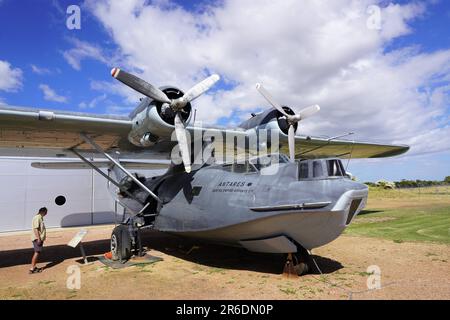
104 175
116 163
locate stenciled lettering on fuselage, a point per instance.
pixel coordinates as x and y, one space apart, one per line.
233 186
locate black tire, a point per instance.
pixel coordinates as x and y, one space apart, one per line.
301 263
121 243
301 268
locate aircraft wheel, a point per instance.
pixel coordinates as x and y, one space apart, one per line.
300 266
121 243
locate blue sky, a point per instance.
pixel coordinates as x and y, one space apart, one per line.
37 36
35 40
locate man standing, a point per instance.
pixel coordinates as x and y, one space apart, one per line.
38 234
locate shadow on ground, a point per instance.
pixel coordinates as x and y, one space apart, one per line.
369 212
51 255
206 254
224 257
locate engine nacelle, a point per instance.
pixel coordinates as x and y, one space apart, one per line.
282 122
264 120
154 120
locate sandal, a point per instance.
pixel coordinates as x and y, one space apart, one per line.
35 270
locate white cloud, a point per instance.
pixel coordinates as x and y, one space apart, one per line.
84 50
116 88
10 78
51 95
395 19
93 103
40 70
303 52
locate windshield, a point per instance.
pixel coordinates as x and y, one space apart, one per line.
268 160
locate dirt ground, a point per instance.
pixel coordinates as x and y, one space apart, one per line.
408 270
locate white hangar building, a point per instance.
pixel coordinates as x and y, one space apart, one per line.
74 197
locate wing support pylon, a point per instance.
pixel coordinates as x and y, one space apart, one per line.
117 164
89 163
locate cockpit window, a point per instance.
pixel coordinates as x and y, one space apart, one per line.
227 167
335 168
344 173
238 167
268 160
317 169
320 169
243 167
303 170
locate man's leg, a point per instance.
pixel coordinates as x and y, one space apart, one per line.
34 260
37 250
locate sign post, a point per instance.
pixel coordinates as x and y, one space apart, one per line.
76 240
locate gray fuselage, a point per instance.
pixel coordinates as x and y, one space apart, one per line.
240 205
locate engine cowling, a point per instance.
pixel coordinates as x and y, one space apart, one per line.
282 122
265 120
154 120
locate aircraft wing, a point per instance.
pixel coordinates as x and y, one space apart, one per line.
310 147
44 133
27 132
138 165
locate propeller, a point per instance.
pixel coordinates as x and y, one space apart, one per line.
176 105
291 119
180 132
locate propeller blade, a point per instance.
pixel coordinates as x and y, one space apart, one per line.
200 88
139 85
269 98
291 140
180 132
309 111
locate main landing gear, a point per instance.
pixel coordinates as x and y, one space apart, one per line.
126 241
125 237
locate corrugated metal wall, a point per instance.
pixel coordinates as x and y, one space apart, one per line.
24 189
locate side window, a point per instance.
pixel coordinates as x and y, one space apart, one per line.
303 170
317 169
334 169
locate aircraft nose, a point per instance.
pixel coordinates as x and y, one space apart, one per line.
352 201
353 185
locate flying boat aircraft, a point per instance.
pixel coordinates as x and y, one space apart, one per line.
265 201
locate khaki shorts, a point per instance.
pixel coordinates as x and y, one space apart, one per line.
38 246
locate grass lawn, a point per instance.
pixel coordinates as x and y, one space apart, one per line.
406 215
